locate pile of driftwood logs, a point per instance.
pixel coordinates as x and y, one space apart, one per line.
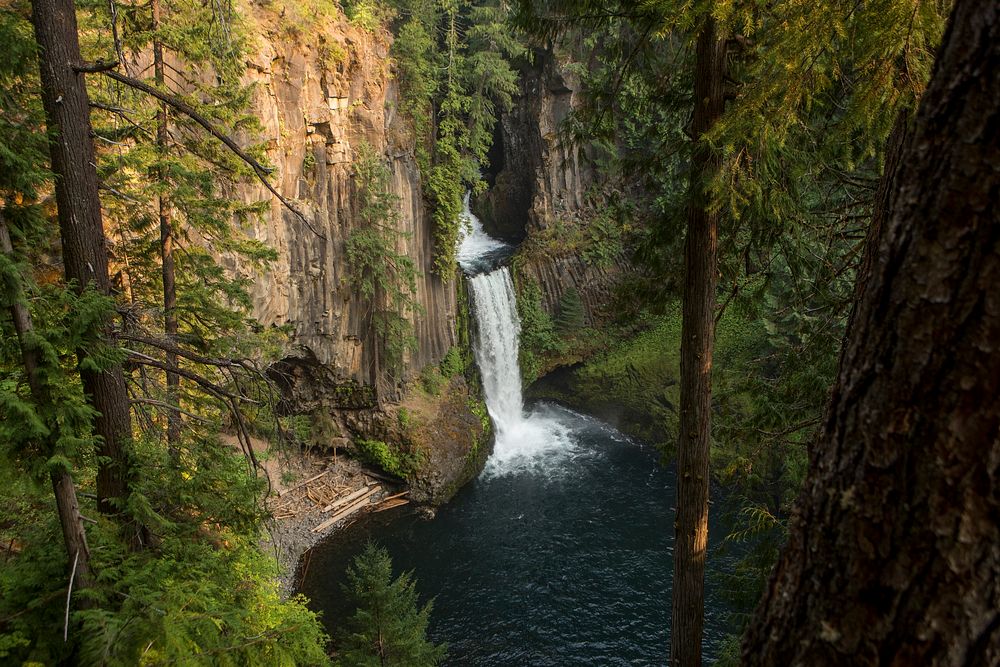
339 501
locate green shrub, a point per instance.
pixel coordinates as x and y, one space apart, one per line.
205 593
382 455
432 380
452 364
368 15
604 237
308 160
538 335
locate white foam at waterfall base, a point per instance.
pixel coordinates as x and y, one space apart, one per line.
532 442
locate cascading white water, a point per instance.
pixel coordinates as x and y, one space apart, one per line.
497 346
477 250
523 441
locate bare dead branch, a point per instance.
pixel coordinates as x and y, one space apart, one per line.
211 387
168 406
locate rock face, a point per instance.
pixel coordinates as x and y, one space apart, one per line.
547 186
557 274
316 110
322 90
542 176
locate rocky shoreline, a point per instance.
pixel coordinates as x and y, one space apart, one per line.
314 483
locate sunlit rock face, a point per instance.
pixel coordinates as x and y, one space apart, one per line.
321 92
319 95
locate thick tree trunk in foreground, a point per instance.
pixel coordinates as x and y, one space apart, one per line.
894 552
173 380
697 336
67 507
84 249
895 145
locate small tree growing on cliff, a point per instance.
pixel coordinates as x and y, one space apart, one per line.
571 316
384 276
387 628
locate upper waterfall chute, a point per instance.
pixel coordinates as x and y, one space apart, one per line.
477 250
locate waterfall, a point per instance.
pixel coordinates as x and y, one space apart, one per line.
496 348
523 441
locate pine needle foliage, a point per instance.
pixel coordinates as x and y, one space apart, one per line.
383 274
388 628
571 316
199 591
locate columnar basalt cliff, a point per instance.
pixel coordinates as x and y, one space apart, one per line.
543 183
317 109
321 92
542 176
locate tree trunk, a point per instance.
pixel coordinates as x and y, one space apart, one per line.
67 506
895 145
697 335
166 242
84 246
894 550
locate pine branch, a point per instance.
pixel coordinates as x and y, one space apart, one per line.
108 69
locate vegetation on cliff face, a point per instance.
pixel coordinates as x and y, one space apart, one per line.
376 268
455 62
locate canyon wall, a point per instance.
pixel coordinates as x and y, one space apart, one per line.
322 89
545 189
320 93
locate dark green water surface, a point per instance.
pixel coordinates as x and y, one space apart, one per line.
562 556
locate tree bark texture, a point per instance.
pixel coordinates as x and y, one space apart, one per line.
895 144
697 335
84 246
894 550
63 488
173 380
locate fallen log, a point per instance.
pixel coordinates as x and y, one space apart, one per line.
384 478
347 511
398 495
389 504
343 501
301 484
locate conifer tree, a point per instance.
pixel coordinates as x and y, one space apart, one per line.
571 315
385 277
206 518
388 628
181 297
84 245
45 427
892 554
